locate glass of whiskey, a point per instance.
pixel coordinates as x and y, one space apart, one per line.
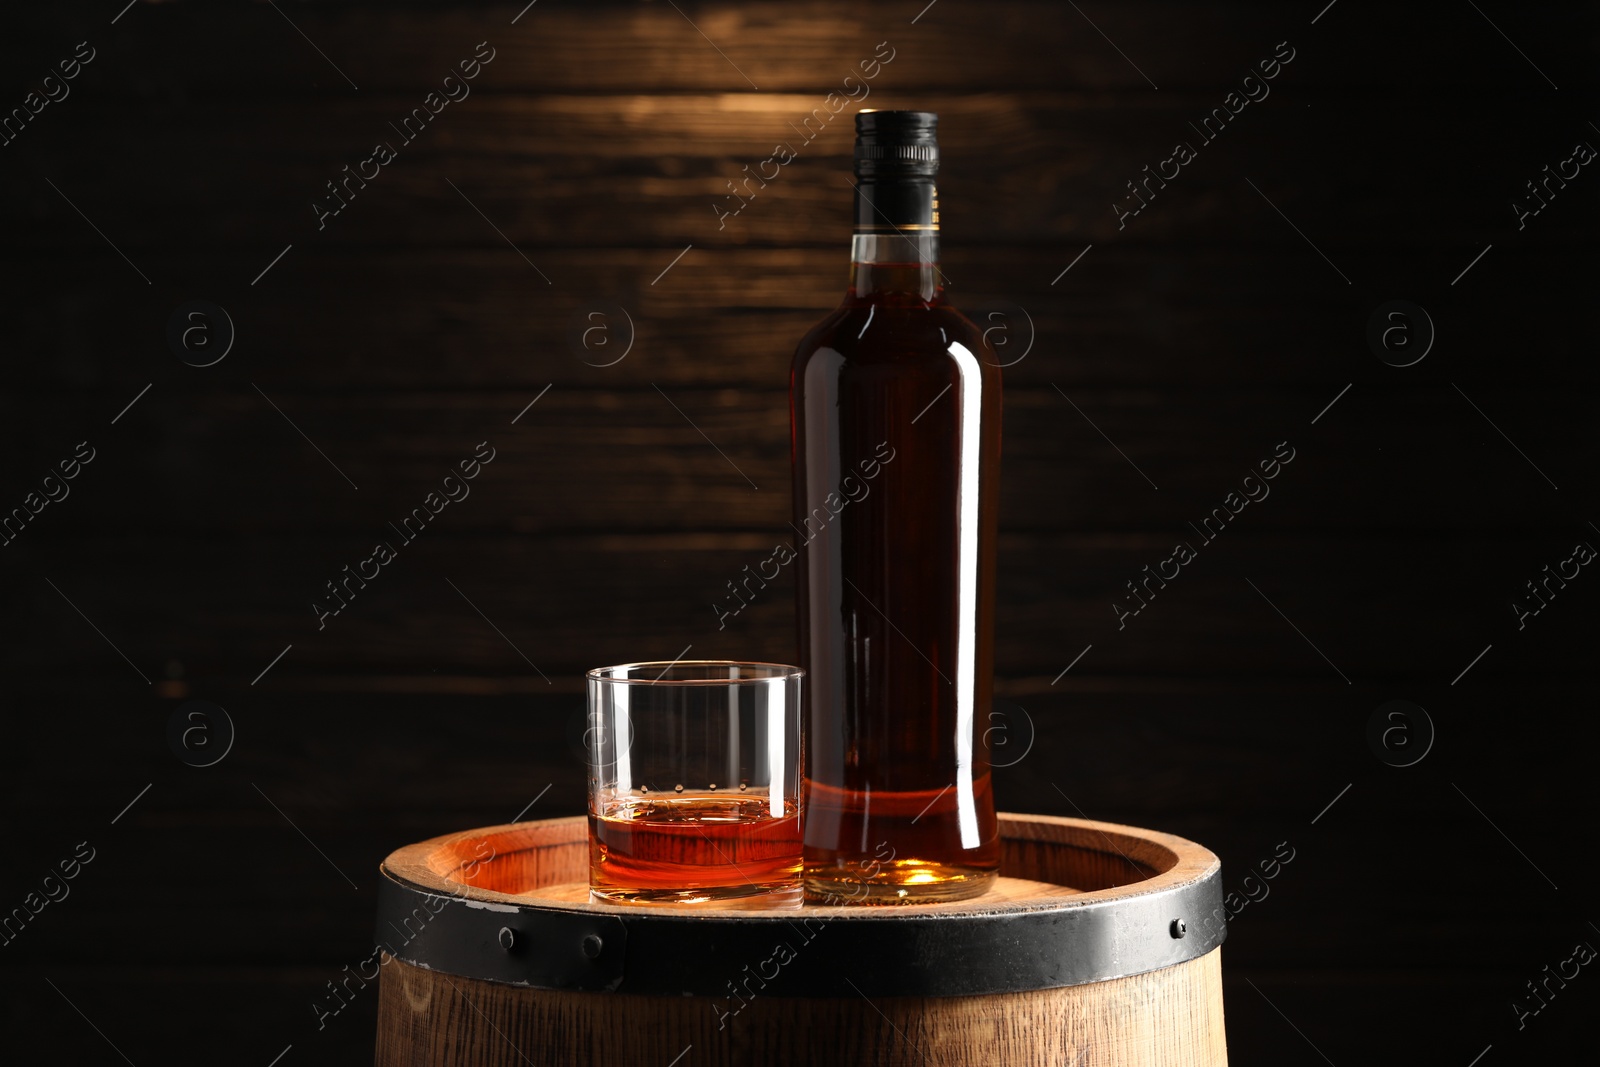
695 784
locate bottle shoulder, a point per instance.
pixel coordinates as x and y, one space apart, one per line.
869 332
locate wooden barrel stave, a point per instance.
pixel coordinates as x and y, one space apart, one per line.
1171 1018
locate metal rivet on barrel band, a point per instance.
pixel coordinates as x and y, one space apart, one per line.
592 945
507 938
1179 928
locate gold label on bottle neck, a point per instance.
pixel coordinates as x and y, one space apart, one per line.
889 227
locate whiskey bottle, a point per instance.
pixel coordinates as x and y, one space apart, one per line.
895 417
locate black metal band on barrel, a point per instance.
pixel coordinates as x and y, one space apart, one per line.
878 952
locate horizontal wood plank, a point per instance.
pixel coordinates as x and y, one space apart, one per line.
1185 317
579 170
615 463
810 45
1330 611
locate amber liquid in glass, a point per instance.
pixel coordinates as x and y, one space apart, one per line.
694 847
895 411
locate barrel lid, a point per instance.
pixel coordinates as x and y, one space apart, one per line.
1078 902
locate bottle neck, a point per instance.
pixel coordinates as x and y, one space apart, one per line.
894 251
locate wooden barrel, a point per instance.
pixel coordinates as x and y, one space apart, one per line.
1098 947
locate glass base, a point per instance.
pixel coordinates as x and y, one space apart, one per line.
721 898
921 883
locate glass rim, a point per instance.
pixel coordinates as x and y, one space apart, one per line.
770 672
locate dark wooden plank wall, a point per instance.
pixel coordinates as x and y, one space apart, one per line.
597 140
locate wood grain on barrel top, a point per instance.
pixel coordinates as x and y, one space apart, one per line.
1044 859
1005 890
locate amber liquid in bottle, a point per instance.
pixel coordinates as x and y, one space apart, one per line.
895 411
